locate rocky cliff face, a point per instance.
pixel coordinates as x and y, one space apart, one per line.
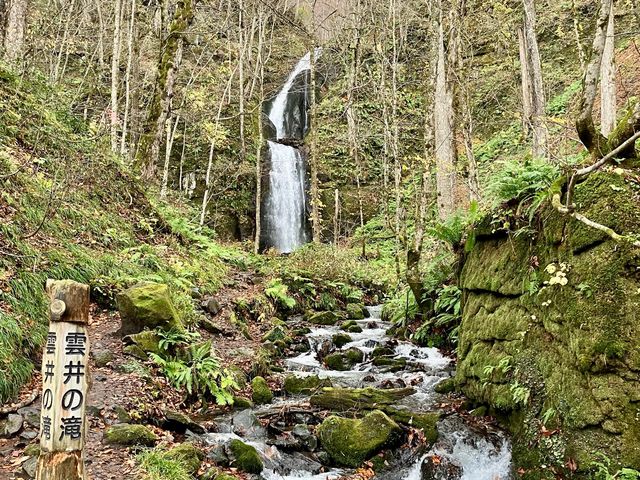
550 336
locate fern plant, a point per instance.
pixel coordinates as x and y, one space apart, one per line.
199 374
602 467
279 292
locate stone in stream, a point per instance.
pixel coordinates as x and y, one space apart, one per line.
277 333
356 311
129 435
180 423
296 385
391 364
342 399
261 392
11 425
247 424
245 457
436 467
188 455
146 305
351 326
322 318
341 339
350 442
345 360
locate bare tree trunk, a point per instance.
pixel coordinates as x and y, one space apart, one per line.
149 145
336 217
241 61
115 69
527 112
608 80
540 134
445 142
15 30
576 33
171 135
127 77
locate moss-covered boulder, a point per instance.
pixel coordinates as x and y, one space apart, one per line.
351 326
343 399
296 385
345 360
126 434
426 421
147 305
245 457
550 330
277 333
356 311
339 340
242 403
322 318
261 392
188 455
141 344
390 364
350 442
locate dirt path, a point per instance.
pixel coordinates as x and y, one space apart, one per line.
127 386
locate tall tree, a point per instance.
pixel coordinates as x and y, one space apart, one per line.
608 79
444 115
534 82
115 70
168 64
15 29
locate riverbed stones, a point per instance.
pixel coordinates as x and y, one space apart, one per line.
436 467
322 318
350 442
261 392
245 457
11 425
146 305
351 326
356 311
344 360
341 339
129 435
342 399
304 385
247 424
180 423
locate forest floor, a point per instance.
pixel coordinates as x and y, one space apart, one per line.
127 385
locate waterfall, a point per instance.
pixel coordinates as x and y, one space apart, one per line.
285 212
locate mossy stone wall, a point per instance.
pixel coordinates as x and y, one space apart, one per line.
553 355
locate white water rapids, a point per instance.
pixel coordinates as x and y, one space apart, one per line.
474 455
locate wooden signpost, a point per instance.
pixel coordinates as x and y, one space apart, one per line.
65 383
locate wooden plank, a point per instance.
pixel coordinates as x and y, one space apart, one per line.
65 383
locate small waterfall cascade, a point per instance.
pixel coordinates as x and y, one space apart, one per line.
284 212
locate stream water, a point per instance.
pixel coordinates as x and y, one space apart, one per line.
470 454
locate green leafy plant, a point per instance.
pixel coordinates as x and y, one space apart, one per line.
519 392
199 374
528 181
279 292
169 339
602 467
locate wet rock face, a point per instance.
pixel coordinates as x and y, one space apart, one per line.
295 113
350 442
574 341
435 467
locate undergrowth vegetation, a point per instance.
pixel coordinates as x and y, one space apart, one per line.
69 211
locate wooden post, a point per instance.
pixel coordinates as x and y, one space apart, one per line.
65 382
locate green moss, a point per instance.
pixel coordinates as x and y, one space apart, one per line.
322 318
341 339
345 360
296 385
261 391
355 311
187 454
245 457
350 442
126 434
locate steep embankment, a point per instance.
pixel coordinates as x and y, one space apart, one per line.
68 209
550 336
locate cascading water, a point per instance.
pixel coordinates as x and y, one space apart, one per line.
468 452
285 214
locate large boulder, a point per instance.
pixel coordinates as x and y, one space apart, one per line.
296 385
147 305
343 361
126 434
350 442
356 311
322 318
245 457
